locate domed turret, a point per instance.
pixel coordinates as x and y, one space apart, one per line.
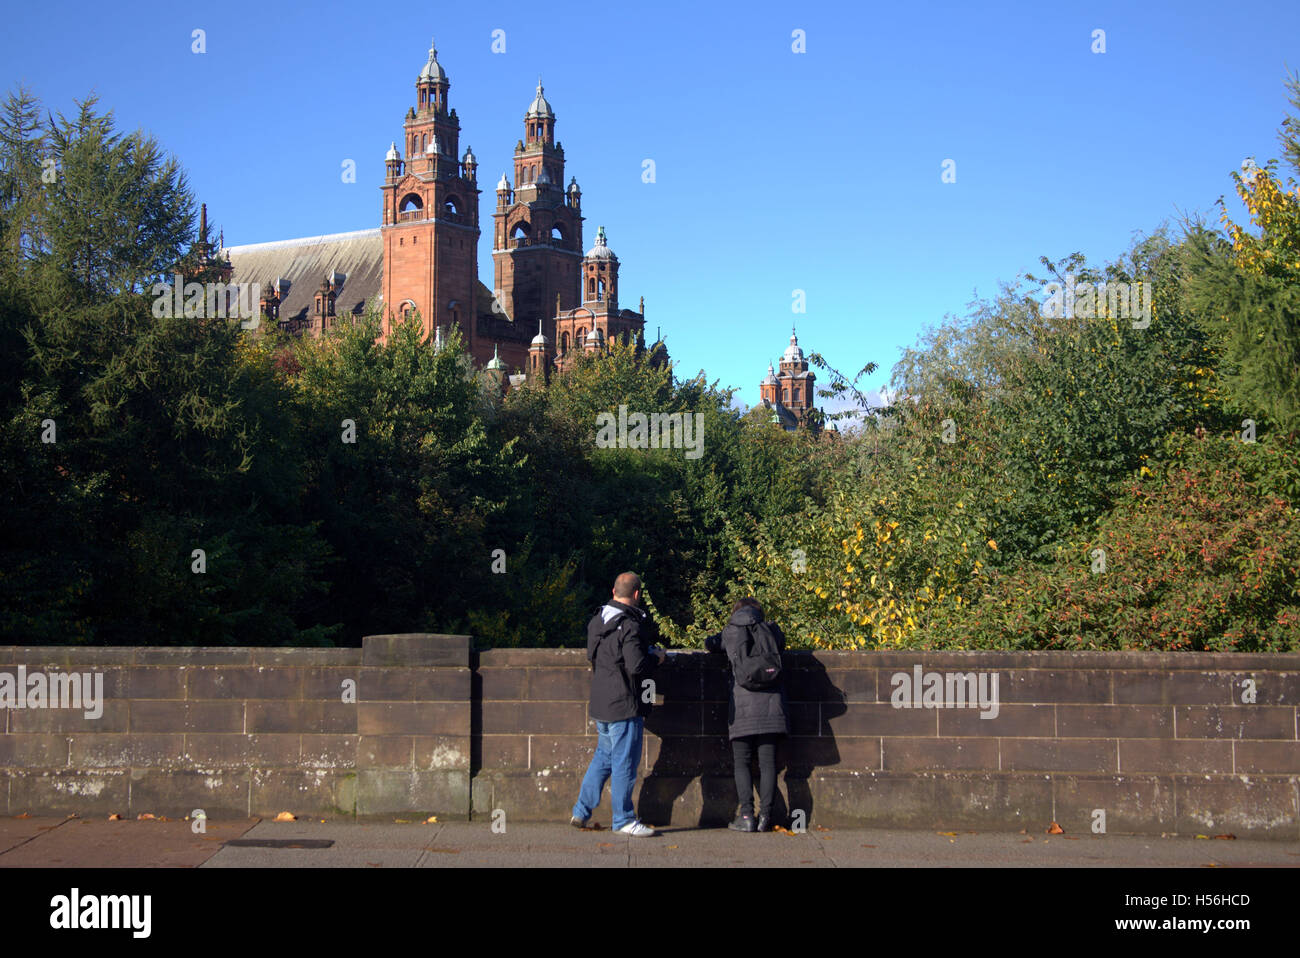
539 108
601 250
433 69
793 354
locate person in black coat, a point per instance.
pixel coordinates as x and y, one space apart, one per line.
756 720
622 654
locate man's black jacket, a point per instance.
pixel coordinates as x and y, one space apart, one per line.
617 639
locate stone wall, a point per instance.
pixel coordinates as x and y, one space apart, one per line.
1155 742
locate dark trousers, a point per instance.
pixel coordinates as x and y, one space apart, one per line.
742 750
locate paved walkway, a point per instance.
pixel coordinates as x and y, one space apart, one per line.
97 843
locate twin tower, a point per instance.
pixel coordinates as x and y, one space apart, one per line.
549 297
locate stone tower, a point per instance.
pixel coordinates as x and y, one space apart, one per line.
537 233
788 391
430 225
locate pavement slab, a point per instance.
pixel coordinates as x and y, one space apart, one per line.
98 843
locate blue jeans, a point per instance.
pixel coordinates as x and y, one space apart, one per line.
618 750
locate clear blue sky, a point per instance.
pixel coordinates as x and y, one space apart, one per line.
776 171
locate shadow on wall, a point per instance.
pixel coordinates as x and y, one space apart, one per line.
693 742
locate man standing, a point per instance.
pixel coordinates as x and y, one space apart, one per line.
621 658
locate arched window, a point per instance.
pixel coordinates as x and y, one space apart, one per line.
591 288
451 205
581 337
600 292
557 233
410 203
564 342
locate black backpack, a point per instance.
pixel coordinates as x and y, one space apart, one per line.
758 663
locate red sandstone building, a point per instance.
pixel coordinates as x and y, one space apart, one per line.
550 298
789 393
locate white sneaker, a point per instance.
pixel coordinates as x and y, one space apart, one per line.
637 830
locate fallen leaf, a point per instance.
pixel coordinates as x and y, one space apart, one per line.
822 828
432 819
401 821
1025 841
115 817
73 815
1227 838
1024 831
373 864
288 817
1210 865
1056 829
144 817
1206 837
868 846
947 833
606 844
672 846
23 815
1071 838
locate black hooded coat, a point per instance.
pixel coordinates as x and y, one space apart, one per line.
748 712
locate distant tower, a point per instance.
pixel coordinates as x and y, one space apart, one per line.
789 392
537 233
540 355
769 388
496 371
430 224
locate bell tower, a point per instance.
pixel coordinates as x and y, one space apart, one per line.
430 224
537 233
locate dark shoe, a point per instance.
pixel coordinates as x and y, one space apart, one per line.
743 823
577 822
764 823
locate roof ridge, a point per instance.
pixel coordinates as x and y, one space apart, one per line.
304 241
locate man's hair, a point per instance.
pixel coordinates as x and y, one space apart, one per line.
750 601
626 585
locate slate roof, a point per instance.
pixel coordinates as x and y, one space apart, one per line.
359 256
